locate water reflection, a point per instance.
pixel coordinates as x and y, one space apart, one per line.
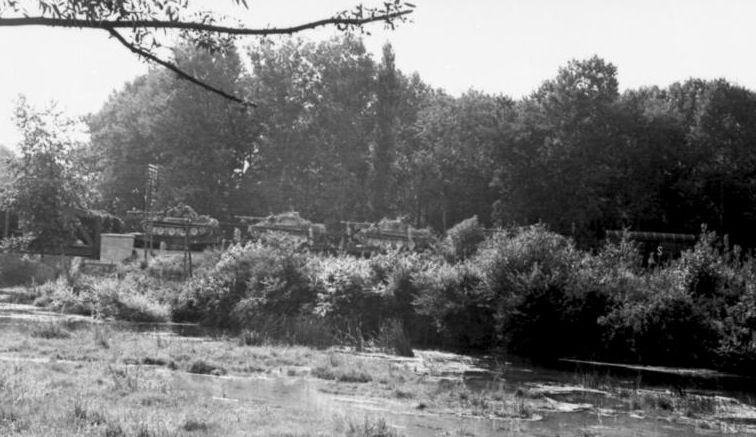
13 314
305 394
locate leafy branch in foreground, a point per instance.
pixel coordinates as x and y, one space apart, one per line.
139 24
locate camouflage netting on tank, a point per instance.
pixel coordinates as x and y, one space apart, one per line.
184 211
181 211
290 219
397 226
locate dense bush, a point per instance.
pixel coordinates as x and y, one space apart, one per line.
394 275
249 280
696 311
106 298
453 296
462 239
128 300
344 288
368 294
254 284
60 295
525 271
392 337
737 344
532 291
527 289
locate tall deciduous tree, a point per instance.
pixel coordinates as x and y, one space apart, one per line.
204 142
450 161
125 134
557 163
647 166
6 177
387 103
6 158
201 141
719 121
49 179
316 116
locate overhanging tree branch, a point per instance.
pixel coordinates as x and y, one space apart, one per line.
174 68
142 18
196 26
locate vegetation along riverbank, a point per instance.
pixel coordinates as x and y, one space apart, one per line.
527 291
335 344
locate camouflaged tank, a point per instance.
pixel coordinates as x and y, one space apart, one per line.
388 235
181 225
301 231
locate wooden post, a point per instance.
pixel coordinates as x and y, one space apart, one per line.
152 246
186 249
191 273
97 238
148 229
7 224
149 188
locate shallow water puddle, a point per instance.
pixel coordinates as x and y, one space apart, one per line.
16 314
308 395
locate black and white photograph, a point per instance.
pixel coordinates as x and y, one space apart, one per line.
377 218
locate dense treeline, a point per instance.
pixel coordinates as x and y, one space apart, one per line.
337 136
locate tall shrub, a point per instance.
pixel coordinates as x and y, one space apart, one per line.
453 296
347 293
393 274
516 263
462 239
248 280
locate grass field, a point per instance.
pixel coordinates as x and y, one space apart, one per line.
74 380
71 379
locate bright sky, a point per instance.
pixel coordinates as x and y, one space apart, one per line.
497 46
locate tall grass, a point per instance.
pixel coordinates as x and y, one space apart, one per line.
105 298
51 330
301 330
106 400
365 428
123 300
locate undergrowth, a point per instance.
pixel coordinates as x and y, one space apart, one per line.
528 290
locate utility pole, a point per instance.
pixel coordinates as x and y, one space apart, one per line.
187 249
150 186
